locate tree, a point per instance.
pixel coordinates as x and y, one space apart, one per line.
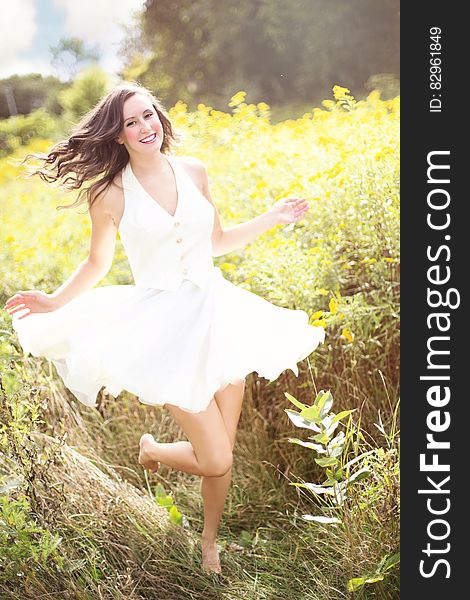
276 50
70 55
21 94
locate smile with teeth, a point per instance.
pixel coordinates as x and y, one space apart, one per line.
149 138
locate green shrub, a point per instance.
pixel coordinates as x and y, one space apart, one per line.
20 130
359 494
90 85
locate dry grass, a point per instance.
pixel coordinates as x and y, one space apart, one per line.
117 543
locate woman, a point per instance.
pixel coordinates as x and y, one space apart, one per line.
182 336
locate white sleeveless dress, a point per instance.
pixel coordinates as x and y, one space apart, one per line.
181 332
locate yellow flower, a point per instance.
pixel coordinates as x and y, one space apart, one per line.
340 92
228 267
237 99
333 306
334 171
374 97
348 334
263 107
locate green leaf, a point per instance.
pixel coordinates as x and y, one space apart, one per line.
390 562
329 461
317 447
356 459
319 397
375 579
338 474
333 476
165 501
299 421
312 413
355 584
312 487
159 491
325 403
320 519
339 492
175 516
337 451
342 414
295 402
321 438
331 429
245 539
358 582
338 439
336 445
358 475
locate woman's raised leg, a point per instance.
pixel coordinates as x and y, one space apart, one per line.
208 451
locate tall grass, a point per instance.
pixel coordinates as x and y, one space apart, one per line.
94 498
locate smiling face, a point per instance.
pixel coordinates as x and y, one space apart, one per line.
142 130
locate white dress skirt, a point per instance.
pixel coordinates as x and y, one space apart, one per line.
181 332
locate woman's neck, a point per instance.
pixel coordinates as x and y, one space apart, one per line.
153 163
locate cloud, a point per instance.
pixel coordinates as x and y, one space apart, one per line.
98 21
17 30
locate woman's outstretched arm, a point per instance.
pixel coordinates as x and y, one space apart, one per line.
286 210
89 272
99 259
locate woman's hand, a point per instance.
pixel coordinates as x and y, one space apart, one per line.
289 210
35 300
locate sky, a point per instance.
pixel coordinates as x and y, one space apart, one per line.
29 27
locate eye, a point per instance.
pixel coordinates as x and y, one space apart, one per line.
149 114
130 123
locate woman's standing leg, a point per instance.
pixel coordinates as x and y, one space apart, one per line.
214 490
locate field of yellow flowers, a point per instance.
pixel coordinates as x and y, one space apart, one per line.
340 264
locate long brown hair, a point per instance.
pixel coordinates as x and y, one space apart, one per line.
92 152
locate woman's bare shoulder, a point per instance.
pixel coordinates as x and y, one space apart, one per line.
195 168
110 202
191 160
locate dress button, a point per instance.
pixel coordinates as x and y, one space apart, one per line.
185 271
177 224
179 240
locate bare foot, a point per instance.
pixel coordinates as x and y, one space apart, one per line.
146 454
210 557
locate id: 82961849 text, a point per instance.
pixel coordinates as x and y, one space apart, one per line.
435 69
